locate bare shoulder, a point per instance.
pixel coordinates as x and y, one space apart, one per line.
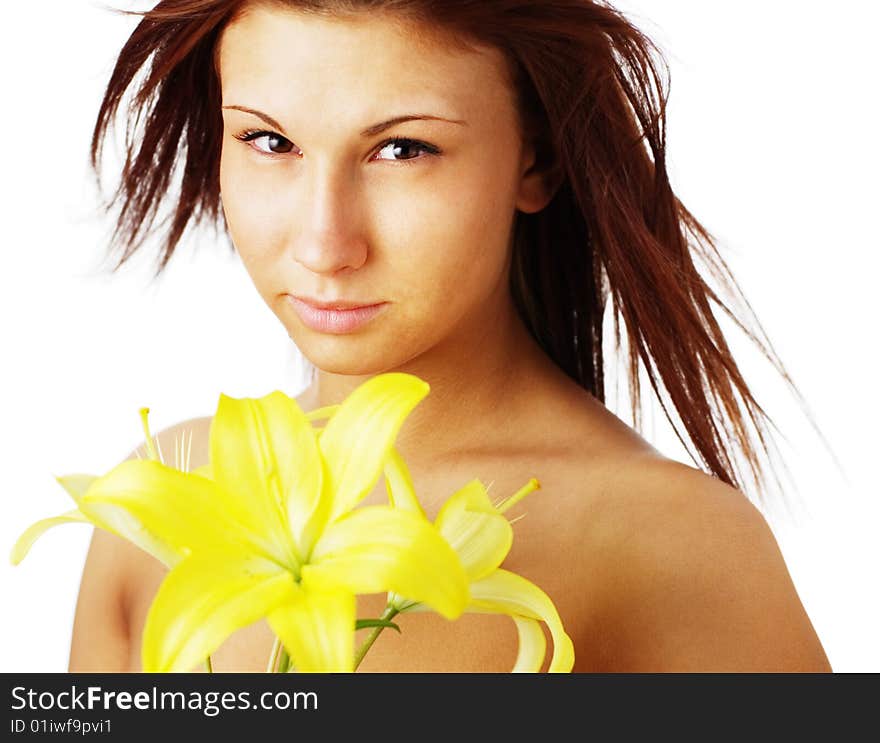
114 570
693 578
184 445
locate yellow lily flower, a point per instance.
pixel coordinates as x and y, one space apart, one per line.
482 537
75 485
269 529
103 515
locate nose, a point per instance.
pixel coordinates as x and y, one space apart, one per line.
330 239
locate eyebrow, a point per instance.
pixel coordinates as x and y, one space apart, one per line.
368 132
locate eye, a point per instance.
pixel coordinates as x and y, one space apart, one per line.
400 148
272 143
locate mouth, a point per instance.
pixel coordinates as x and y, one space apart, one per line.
335 317
338 304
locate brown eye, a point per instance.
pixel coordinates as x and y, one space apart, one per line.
406 149
270 142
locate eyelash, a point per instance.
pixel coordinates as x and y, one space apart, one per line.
249 135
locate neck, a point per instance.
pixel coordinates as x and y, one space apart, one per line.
480 379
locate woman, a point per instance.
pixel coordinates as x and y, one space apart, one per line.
478 178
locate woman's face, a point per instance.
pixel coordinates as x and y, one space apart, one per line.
328 201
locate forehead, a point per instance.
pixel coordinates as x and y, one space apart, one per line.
349 65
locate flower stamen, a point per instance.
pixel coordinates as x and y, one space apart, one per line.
152 453
531 486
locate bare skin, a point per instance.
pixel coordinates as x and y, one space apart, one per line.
652 565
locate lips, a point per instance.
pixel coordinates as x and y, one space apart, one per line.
340 304
333 319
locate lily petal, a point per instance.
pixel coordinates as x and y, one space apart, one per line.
265 451
204 471
480 535
76 485
203 600
117 520
398 483
380 548
180 510
401 494
30 535
320 413
356 440
317 628
532 646
503 592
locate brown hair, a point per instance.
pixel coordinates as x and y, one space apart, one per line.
592 96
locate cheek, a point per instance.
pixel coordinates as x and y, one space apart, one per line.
253 211
453 238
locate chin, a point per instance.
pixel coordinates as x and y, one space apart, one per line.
350 355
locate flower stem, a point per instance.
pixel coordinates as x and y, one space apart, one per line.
273 656
389 614
284 665
209 667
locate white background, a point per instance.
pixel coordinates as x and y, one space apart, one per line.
772 145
